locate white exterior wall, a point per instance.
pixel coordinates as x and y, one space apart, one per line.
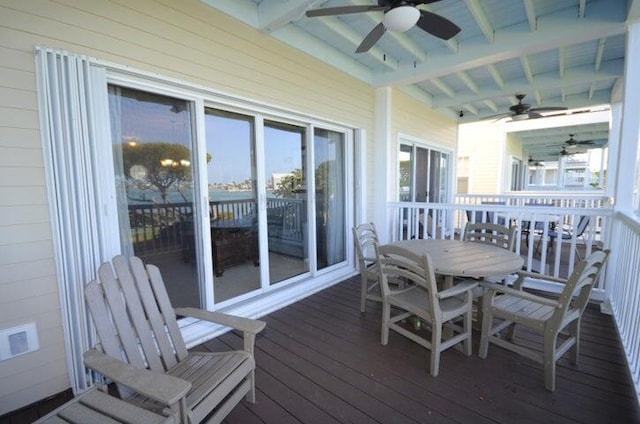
188 41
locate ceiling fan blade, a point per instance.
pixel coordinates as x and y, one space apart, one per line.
342 10
372 38
497 116
547 109
437 25
534 115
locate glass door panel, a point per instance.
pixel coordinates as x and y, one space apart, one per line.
152 138
285 155
329 169
406 174
233 206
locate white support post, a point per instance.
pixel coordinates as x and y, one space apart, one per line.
382 170
630 125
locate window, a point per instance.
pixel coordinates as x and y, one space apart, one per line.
516 174
423 173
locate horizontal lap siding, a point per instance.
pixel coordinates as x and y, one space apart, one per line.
186 40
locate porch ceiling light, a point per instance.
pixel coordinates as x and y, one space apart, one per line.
401 18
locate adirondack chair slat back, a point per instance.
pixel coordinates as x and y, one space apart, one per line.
133 315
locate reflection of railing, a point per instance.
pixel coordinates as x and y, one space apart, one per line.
166 228
159 228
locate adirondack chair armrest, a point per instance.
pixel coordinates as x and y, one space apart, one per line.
494 289
457 289
247 325
160 387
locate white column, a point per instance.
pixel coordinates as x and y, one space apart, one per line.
614 149
382 170
630 125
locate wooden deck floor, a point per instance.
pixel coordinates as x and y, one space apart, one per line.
320 361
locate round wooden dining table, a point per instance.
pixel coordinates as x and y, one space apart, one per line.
457 258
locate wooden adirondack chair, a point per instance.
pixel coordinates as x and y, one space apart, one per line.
141 345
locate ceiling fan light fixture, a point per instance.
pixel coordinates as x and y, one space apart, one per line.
401 18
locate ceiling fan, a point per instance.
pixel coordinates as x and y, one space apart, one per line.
574 142
565 152
522 111
399 16
535 162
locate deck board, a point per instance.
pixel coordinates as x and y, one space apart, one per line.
320 361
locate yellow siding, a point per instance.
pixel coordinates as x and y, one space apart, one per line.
483 143
186 40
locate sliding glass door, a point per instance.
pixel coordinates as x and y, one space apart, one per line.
285 178
330 197
152 138
233 205
285 148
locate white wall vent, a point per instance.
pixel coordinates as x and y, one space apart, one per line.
18 341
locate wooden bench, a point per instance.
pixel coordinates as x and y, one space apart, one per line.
95 406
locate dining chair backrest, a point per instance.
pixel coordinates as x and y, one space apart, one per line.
366 239
577 289
493 234
398 264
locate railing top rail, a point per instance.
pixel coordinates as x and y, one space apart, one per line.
542 209
539 195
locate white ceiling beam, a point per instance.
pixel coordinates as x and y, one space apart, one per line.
526 67
546 81
538 97
443 87
495 75
470 108
561 60
491 104
481 19
599 53
272 17
582 8
417 93
510 43
530 10
466 79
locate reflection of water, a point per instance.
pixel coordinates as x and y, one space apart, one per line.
144 197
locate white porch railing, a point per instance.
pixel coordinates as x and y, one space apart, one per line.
623 289
547 235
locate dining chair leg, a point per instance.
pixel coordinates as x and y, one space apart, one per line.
467 325
436 339
386 318
574 332
550 341
487 321
363 295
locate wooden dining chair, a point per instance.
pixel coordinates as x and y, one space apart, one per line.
420 299
558 320
366 239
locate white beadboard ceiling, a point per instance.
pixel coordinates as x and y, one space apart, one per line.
567 53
